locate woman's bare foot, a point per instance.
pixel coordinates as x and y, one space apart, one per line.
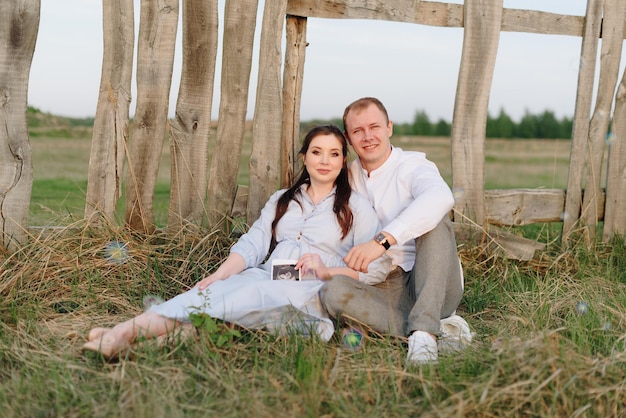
97 333
108 345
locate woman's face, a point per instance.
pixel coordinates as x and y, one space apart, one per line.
324 159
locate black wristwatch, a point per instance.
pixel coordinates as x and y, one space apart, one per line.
382 240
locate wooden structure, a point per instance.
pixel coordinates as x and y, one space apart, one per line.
199 193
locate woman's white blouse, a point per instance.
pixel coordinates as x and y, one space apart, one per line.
309 228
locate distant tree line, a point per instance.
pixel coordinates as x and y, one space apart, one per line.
36 118
544 125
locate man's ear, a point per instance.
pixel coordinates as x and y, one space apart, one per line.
389 129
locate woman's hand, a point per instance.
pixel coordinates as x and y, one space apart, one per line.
208 280
312 264
234 264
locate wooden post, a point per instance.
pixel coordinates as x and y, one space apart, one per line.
110 129
614 213
239 26
155 61
191 126
266 127
18 36
293 75
580 133
480 46
612 40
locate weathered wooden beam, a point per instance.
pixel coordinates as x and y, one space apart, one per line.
580 131
189 139
293 76
424 12
615 215
480 46
517 207
110 128
610 56
533 21
239 27
18 36
267 124
435 14
155 64
497 241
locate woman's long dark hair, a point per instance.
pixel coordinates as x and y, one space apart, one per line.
341 208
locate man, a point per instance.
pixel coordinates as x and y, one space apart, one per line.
413 203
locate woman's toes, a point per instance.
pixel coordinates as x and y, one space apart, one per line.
107 346
97 333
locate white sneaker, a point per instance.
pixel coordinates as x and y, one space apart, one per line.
422 348
455 334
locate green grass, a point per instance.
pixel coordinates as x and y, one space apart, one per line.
533 353
61 164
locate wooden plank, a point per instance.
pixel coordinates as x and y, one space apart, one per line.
267 124
189 146
18 36
423 12
292 96
582 111
517 207
533 21
498 242
435 14
480 45
155 62
239 26
610 56
111 123
615 215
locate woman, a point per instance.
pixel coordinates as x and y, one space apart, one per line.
315 222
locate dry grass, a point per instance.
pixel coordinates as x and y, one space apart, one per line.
533 354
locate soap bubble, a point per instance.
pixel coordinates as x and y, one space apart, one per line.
610 138
116 252
458 193
151 300
352 338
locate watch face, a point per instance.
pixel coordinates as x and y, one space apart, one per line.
382 240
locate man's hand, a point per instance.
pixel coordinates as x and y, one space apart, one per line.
359 257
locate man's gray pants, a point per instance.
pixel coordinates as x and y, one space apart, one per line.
406 301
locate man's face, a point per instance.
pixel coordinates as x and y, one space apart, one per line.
369 133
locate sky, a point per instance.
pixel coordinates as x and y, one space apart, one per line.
409 67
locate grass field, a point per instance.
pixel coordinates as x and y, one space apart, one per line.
549 334
61 164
